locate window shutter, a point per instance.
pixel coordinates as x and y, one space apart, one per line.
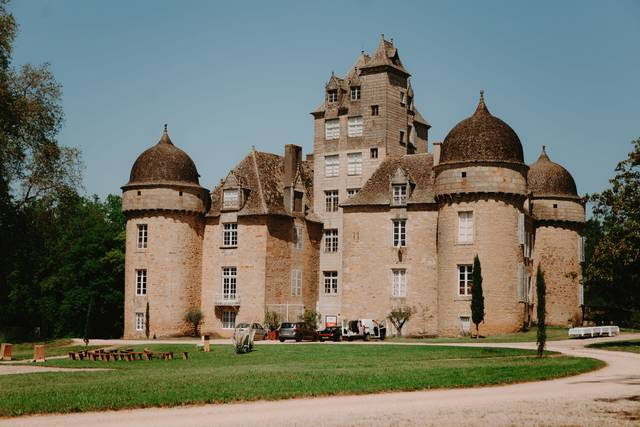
520 282
521 228
581 249
581 295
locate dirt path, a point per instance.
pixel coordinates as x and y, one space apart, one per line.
609 396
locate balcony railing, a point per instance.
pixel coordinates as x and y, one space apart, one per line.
227 300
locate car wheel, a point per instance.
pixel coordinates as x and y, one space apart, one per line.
298 339
321 340
366 337
281 339
350 339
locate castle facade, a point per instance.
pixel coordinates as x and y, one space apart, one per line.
371 220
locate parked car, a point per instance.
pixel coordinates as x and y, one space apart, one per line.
260 332
364 329
297 331
333 333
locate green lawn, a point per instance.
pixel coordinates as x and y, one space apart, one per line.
273 372
632 346
554 333
57 347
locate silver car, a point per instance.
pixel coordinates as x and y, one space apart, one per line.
260 332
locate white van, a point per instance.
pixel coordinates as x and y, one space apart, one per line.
363 329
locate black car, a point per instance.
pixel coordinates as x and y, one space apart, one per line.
333 333
297 331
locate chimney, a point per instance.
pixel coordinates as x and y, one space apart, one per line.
437 146
292 158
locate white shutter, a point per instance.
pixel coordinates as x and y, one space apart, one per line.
354 126
520 282
521 228
581 249
581 294
332 129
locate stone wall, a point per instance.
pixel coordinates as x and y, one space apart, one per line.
187 198
558 209
172 260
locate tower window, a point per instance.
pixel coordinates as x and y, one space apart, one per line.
399 233
139 321
330 282
332 129
355 93
463 174
402 98
180 193
230 234
354 164
402 138
296 283
399 285
229 282
298 236
331 200
465 227
141 282
374 110
354 126
331 240
464 280
331 165
332 96
142 236
374 153
139 193
555 206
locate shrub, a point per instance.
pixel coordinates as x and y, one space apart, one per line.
194 317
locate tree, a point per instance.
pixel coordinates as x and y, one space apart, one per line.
272 320
194 317
310 318
612 267
399 316
477 298
147 321
541 293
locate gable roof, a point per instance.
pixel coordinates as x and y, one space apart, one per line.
376 191
262 177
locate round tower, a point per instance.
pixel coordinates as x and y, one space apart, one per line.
480 186
559 217
164 205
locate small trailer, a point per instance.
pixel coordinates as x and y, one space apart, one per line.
364 329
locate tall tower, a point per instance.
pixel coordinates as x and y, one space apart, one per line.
559 213
480 185
365 117
164 205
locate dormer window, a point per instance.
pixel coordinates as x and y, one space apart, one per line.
231 199
332 95
355 93
399 194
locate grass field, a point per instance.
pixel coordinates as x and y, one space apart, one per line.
273 372
57 347
632 346
554 333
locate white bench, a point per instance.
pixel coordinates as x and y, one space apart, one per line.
594 331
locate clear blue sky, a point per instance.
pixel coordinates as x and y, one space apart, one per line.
229 75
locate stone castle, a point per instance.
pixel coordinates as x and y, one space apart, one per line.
369 221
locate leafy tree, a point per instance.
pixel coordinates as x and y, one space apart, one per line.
541 294
194 317
399 316
477 297
311 318
272 320
612 269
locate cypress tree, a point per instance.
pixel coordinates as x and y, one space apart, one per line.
477 298
541 291
146 321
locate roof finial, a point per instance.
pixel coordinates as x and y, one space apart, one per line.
544 149
382 36
482 95
165 129
391 40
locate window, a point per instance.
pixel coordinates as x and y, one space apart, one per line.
521 229
354 126
464 280
331 240
355 93
581 249
331 165
142 236
228 319
330 282
374 153
332 129
331 201
399 194
399 233
296 283
521 282
230 234
402 138
352 191
297 201
298 236
139 321
141 282
229 282
402 99
374 110
354 164
399 286
231 199
465 325
332 96
465 227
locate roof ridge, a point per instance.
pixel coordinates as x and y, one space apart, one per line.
255 166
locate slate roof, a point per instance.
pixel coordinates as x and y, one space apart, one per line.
164 163
377 189
386 55
261 175
546 178
482 137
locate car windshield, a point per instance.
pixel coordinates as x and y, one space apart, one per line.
242 326
287 325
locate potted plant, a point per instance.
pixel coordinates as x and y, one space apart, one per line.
272 322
